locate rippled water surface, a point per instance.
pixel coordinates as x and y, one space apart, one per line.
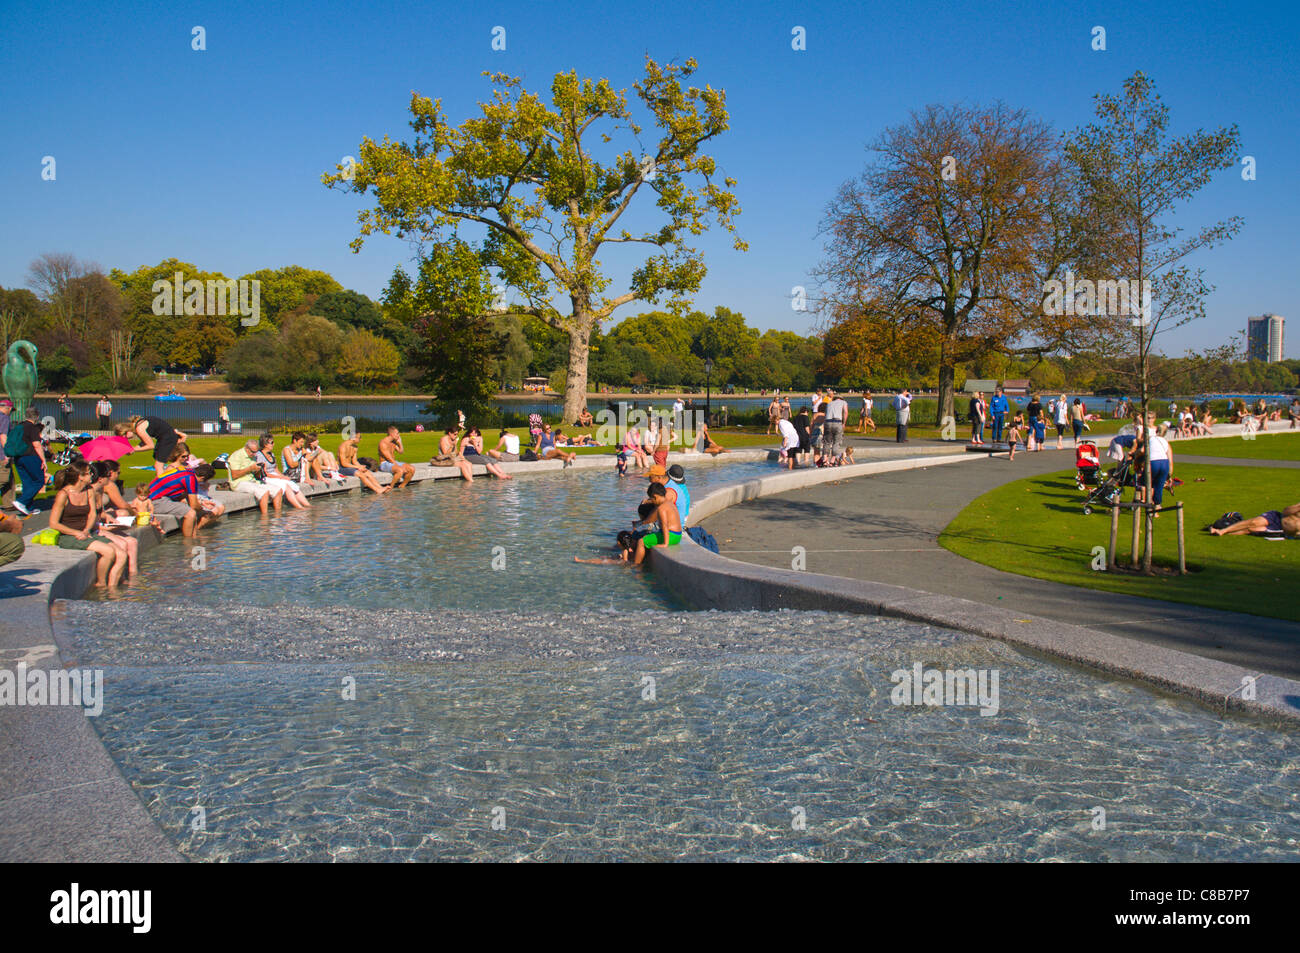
654 735
430 546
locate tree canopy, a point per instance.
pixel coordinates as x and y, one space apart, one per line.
550 191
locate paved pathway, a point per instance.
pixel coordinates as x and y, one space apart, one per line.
885 528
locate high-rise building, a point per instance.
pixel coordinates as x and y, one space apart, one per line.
1264 338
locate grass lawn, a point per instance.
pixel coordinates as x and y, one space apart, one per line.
1283 445
1036 527
420 448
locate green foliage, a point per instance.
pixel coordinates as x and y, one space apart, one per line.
456 349
367 360
57 371
538 177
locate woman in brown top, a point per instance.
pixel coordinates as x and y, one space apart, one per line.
73 516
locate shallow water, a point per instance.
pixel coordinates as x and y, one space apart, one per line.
436 545
546 725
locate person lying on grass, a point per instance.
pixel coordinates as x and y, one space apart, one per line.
1273 522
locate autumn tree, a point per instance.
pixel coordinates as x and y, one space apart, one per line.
953 227
545 182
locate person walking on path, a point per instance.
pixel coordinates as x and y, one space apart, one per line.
223 419
103 410
837 413
998 408
1061 417
26 450
1035 422
903 410
977 419
1077 410
773 415
867 421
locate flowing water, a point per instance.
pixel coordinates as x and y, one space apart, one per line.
358 683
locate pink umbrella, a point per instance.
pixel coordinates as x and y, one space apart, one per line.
106 448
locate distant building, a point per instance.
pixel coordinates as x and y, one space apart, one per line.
1264 338
1016 388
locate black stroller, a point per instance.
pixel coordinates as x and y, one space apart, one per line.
1111 488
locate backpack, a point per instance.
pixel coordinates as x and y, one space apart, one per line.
16 444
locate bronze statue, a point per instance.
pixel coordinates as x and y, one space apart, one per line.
20 376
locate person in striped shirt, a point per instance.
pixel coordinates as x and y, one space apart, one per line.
175 493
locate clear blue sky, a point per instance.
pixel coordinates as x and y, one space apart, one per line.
215 157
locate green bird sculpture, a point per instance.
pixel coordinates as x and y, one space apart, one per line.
20 376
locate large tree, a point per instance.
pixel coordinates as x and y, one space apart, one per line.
1134 178
954 227
528 173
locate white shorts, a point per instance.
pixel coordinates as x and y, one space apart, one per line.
277 484
258 490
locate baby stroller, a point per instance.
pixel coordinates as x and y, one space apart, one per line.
70 444
1110 488
1087 465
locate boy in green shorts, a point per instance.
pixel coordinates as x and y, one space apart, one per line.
670 523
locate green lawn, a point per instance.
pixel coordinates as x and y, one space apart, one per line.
1283 445
1036 527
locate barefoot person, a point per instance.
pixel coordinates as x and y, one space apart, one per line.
507 448
349 465
472 450
868 404
670 524
110 506
389 447
176 494
449 454
1273 522
706 444
547 450
274 478
246 476
626 543
73 517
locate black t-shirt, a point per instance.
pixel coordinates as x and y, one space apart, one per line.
801 424
1033 410
32 434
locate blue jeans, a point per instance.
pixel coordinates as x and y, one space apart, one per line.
29 467
1159 474
998 418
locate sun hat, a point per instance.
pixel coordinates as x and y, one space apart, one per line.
677 473
657 471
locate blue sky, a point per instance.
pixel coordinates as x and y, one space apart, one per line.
215 157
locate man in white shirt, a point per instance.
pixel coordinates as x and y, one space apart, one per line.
903 409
